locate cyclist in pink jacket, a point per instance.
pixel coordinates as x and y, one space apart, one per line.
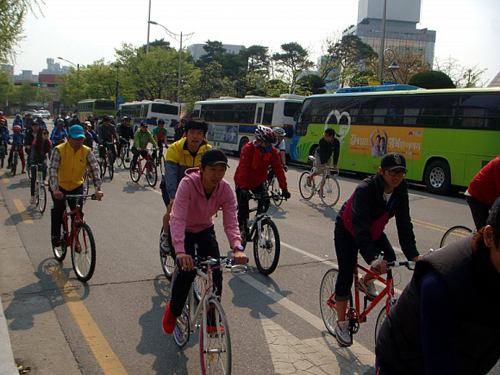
199 197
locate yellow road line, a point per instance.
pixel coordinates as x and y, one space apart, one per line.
22 211
106 357
4 178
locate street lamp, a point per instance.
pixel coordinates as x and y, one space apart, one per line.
382 46
393 66
149 21
179 38
72 63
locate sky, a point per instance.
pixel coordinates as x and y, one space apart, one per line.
84 31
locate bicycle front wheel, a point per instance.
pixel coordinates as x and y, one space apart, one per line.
455 234
327 300
151 173
166 260
276 193
331 192
83 252
266 247
111 168
306 189
126 157
135 173
41 198
215 342
14 165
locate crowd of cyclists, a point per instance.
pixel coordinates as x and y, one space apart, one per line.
194 190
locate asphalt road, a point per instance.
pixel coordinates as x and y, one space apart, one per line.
123 303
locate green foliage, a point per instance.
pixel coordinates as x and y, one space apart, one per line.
292 62
24 94
311 84
432 80
275 88
362 78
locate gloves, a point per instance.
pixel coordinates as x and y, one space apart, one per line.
285 167
286 194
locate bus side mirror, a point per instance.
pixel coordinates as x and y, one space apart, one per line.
296 116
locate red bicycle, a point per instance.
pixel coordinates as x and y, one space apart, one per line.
79 236
354 313
148 168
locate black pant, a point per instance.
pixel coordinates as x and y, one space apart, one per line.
243 196
143 153
111 147
59 206
479 210
207 246
33 177
347 256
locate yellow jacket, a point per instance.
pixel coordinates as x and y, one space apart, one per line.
72 166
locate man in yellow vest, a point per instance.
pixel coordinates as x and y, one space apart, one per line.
67 167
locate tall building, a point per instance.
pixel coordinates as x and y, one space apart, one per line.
495 82
401 33
197 50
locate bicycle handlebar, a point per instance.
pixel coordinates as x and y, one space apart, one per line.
408 264
78 196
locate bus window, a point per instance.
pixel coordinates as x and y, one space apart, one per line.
258 120
373 111
290 108
304 119
404 110
438 110
268 114
478 111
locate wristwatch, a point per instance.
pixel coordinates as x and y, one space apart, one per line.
239 248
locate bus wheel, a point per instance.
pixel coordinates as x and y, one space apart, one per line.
243 142
438 177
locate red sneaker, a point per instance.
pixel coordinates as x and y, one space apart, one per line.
213 329
169 321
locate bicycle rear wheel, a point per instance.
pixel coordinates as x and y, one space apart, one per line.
215 341
327 300
151 173
83 252
166 260
14 164
276 192
455 234
41 197
126 157
111 168
135 173
266 249
331 192
306 190
60 251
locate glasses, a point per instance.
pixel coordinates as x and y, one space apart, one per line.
400 173
45 133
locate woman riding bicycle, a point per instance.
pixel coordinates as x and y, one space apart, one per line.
40 152
200 195
360 225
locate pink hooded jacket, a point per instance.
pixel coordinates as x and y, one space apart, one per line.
192 212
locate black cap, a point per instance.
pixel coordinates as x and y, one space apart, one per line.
106 118
144 125
213 157
494 216
392 161
161 121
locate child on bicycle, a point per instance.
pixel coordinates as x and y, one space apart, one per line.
360 226
328 145
199 197
17 143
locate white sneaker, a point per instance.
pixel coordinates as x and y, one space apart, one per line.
368 288
342 333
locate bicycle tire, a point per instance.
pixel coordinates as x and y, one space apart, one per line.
151 173
215 348
326 295
166 260
380 319
331 192
37 195
102 168
61 251
42 199
13 168
276 193
83 252
182 330
455 234
266 249
111 168
305 190
125 157
135 173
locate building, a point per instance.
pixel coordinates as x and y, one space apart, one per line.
401 33
495 82
196 50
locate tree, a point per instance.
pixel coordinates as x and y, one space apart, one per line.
24 94
292 62
258 59
162 43
362 78
432 80
311 84
352 55
461 76
275 88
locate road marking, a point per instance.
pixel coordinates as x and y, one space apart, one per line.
4 177
22 211
109 362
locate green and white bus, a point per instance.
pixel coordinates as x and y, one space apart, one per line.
446 135
95 107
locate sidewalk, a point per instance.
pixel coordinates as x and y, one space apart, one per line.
29 329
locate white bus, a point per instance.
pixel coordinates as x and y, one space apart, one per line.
151 111
232 121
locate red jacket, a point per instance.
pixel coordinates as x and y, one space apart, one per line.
485 187
254 165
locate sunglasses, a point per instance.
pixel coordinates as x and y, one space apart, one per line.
45 133
397 173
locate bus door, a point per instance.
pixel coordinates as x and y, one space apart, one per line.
259 113
267 118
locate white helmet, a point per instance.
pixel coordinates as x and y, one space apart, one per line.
280 132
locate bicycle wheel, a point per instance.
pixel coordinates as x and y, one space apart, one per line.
111 168
266 249
14 164
331 192
182 329
135 173
327 301
276 192
151 173
41 196
166 260
380 319
306 190
102 167
215 341
60 251
126 157
455 234
83 252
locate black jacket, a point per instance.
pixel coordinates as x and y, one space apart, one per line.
365 214
125 131
325 150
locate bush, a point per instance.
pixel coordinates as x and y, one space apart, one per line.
432 80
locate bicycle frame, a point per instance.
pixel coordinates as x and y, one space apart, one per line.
77 219
256 224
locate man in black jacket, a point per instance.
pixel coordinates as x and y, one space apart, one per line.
328 146
360 225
